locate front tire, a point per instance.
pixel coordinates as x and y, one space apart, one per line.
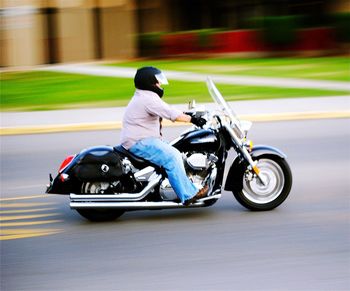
252 194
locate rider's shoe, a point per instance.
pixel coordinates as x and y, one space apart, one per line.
200 194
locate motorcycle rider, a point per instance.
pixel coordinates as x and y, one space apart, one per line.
141 131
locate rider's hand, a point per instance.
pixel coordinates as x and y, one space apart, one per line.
198 121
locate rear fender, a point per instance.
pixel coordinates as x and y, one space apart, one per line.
63 185
234 177
65 181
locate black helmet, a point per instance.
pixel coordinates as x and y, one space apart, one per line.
146 78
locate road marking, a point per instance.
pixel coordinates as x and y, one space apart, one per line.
24 205
118 125
25 215
25 210
60 128
26 233
21 217
29 223
23 197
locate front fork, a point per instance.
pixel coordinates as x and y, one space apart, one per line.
245 153
252 165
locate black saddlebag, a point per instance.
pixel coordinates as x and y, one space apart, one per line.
99 166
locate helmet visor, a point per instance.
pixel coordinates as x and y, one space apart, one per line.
162 79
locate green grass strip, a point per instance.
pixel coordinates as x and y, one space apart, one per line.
39 90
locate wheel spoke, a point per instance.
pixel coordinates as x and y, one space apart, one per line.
273 177
95 214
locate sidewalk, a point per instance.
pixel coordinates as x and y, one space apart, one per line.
110 118
110 71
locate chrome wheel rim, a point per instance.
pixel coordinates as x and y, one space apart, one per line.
94 187
273 177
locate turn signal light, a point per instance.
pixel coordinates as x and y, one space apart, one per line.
249 145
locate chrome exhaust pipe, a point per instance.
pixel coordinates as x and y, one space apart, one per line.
130 205
117 197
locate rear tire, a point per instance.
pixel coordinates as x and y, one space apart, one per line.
97 214
100 215
252 194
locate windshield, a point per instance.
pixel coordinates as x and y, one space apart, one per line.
219 100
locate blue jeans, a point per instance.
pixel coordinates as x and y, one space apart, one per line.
168 157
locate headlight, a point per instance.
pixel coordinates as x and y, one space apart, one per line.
246 126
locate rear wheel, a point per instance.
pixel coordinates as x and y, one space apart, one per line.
277 177
97 214
100 215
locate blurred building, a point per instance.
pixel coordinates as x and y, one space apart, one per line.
37 32
50 31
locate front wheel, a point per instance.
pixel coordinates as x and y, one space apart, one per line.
277 177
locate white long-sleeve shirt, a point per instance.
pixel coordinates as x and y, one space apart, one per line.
141 117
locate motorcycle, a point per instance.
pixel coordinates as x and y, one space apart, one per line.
105 181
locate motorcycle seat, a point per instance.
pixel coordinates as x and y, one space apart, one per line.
138 162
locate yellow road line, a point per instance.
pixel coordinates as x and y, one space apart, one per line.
117 125
23 197
26 230
19 217
25 210
24 205
26 223
59 128
8 234
21 211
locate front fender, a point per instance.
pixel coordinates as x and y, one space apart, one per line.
260 150
234 177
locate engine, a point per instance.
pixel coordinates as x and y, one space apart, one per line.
197 166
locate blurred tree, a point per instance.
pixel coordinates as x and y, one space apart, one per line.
280 32
341 23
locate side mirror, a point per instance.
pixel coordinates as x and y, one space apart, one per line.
246 126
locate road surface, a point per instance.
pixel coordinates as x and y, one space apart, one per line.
302 245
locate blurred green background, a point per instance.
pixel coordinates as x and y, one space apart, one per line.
303 39
40 90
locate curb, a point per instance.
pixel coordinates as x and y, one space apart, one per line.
55 128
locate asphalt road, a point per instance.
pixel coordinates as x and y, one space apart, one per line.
302 245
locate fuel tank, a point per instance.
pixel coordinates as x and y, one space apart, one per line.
198 141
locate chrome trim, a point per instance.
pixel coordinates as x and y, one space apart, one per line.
139 205
144 174
273 176
118 197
